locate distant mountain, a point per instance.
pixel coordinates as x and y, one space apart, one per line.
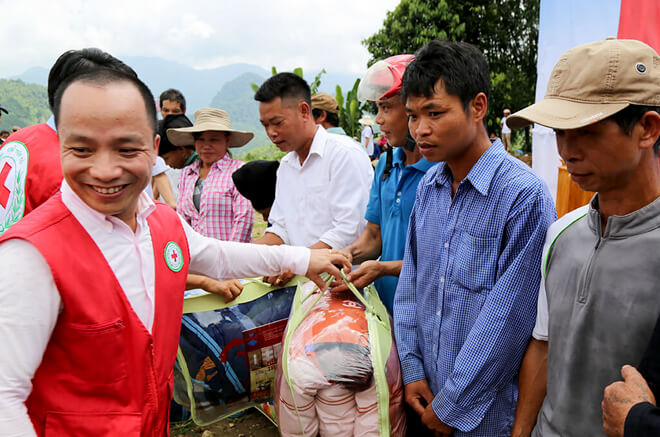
200 87
237 98
38 75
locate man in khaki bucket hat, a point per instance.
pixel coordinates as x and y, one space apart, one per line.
598 301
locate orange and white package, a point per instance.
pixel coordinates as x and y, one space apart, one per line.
330 387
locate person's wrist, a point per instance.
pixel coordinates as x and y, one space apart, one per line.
521 430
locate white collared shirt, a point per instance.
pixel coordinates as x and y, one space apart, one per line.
325 197
30 303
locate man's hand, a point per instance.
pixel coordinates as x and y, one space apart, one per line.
278 280
431 421
367 273
619 397
326 261
229 289
418 395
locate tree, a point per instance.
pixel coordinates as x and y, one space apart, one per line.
350 110
506 31
27 103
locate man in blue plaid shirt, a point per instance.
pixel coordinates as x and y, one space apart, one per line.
465 305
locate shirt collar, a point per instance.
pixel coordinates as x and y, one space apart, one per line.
51 122
637 222
399 159
482 172
197 164
317 148
90 217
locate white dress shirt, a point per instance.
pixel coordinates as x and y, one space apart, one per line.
325 198
30 303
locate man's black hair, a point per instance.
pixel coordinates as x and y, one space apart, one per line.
76 62
461 68
173 96
4 132
284 86
628 117
105 76
330 117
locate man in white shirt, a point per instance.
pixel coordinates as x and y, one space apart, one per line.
323 182
506 130
106 126
367 137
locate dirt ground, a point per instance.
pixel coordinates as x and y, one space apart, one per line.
251 424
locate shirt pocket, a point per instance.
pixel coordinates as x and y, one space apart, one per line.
97 351
220 201
475 264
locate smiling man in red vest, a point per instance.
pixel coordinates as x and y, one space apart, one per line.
92 281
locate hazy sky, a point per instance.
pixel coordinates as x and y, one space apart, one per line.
199 33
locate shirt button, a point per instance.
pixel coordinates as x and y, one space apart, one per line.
399 193
446 245
442 279
439 313
398 200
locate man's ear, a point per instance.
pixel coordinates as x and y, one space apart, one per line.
479 107
156 145
304 110
650 124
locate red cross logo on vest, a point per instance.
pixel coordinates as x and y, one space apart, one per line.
13 176
4 191
173 256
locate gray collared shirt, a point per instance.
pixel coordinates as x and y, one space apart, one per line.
603 296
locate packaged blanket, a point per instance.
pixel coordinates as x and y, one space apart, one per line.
339 373
228 352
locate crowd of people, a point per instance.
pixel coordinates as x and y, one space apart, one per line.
507 321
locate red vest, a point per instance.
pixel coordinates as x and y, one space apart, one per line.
44 173
103 373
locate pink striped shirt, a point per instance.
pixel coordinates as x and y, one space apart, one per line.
223 213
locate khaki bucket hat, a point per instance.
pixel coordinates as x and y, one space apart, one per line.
209 119
594 81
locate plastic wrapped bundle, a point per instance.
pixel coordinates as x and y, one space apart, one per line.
228 352
339 373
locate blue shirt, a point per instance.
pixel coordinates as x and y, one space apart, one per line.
466 301
390 204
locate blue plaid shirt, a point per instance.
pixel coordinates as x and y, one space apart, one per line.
465 305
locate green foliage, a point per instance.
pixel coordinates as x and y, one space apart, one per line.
505 30
27 103
268 152
316 83
350 110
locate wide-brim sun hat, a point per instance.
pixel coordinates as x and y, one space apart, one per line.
209 119
366 121
594 81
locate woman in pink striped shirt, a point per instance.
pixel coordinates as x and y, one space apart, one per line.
208 199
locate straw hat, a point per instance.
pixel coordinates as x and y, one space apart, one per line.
207 119
366 121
